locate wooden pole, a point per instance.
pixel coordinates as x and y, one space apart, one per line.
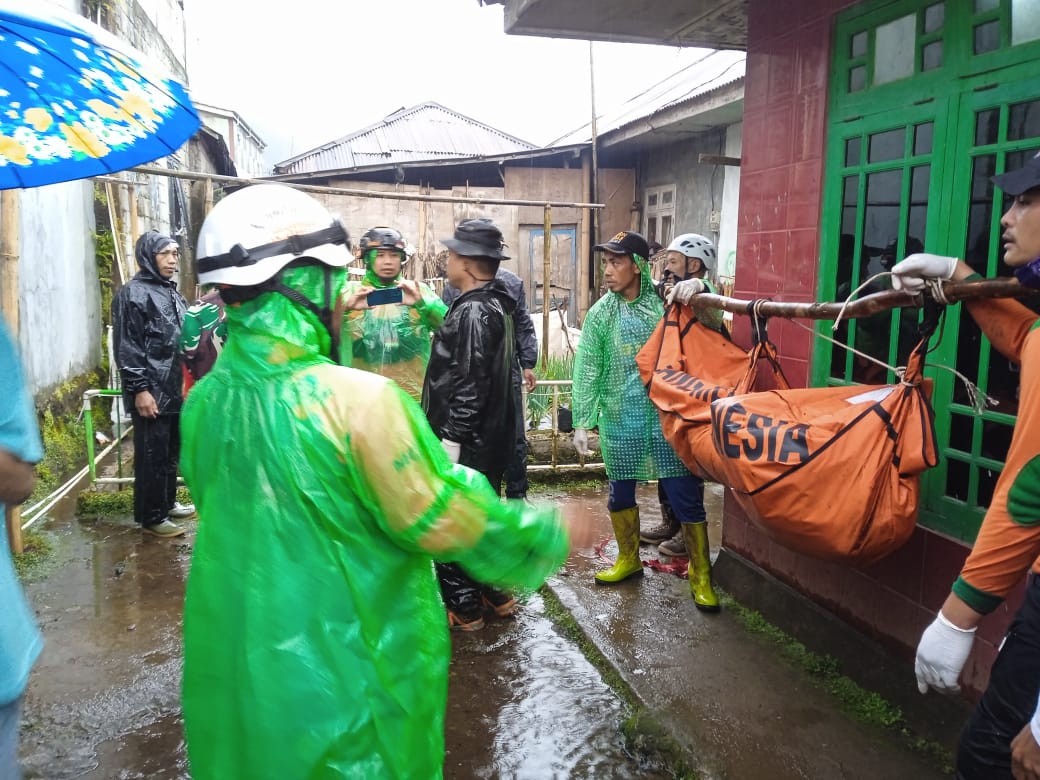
10 222
546 283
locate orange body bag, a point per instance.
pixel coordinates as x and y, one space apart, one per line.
831 472
686 365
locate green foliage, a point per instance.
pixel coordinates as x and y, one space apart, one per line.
539 401
36 549
64 452
114 503
105 254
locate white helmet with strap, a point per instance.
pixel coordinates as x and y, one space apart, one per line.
253 233
695 245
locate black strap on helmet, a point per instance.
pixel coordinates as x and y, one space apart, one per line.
239 257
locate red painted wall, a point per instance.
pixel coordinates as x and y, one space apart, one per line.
781 179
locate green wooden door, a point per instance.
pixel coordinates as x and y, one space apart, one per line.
928 100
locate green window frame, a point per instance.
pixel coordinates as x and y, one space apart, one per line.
928 99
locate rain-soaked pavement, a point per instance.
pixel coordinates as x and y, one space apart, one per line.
524 702
103 701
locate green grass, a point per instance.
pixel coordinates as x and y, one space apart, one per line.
860 704
114 503
36 551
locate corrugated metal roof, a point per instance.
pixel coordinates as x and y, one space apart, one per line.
716 69
428 131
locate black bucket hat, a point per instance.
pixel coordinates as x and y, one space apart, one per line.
477 238
626 243
1016 182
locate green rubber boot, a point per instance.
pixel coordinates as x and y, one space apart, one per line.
626 531
699 570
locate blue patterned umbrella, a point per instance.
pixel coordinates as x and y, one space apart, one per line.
76 102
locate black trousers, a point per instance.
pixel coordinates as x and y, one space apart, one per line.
157 451
516 471
460 592
1010 698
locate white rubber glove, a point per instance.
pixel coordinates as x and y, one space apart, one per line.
581 441
941 654
453 448
683 291
909 274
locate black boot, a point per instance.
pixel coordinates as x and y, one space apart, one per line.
668 528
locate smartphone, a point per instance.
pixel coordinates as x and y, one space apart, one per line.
385 295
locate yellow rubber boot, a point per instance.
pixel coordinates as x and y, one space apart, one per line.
699 570
626 531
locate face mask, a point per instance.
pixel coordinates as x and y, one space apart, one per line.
1028 275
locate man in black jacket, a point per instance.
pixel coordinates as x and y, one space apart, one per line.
147 314
523 374
468 391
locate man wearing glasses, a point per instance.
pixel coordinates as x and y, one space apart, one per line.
147 314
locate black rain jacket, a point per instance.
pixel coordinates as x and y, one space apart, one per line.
468 390
147 314
526 339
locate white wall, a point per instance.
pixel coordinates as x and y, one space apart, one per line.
59 315
727 246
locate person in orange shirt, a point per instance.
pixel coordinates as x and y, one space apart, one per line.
1002 737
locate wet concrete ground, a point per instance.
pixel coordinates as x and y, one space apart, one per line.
103 701
524 702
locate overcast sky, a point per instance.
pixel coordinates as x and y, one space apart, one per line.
307 72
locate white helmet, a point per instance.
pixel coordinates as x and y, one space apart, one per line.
695 245
253 233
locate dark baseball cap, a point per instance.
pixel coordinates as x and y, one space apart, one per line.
1018 181
626 243
477 238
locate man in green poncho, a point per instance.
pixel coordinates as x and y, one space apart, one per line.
391 339
609 395
315 644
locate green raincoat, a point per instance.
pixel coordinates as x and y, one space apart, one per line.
315 640
392 340
608 392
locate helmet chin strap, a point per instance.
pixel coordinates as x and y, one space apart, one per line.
232 295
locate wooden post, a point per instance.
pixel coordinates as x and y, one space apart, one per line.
546 283
10 226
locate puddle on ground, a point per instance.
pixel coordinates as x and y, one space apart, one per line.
103 701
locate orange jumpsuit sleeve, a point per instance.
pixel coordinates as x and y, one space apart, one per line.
1008 542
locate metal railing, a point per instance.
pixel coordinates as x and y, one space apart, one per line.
560 390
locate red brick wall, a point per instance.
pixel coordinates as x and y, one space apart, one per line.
785 119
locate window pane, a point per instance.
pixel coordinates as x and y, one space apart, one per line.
933 17
666 197
980 212
923 138
931 56
666 230
857 78
849 194
981 6
996 438
987 127
957 479
651 199
1024 121
987 37
852 147
858 46
962 429
886 146
894 49
987 482
1025 21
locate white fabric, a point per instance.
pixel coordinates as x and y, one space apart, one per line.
909 274
941 655
453 448
684 291
581 441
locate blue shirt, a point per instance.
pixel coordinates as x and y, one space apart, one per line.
20 640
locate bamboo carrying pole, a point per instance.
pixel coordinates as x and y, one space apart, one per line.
865 306
9 249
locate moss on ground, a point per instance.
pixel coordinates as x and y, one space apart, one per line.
91 504
860 704
644 735
36 553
